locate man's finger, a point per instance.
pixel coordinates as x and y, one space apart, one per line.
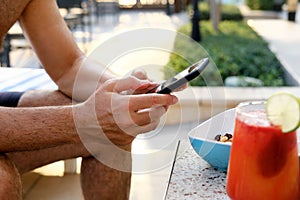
143 101
134 131
140 74
145 117
126 84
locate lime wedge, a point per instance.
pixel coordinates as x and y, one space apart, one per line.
283 109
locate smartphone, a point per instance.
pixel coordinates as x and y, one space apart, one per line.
182 78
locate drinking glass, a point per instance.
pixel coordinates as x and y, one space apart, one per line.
263 161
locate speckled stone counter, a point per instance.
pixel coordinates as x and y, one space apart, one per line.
193 178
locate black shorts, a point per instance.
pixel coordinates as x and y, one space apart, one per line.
10 99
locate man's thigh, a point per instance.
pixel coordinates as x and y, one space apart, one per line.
10 184
26 161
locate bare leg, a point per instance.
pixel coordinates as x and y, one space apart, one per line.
10 184
26 161
97 179
117 183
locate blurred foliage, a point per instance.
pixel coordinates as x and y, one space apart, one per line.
228 12
236 51
260 4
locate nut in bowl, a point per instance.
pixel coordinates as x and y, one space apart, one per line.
203 141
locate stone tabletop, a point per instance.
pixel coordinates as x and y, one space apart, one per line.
193 178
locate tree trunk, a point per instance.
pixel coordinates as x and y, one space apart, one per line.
215 13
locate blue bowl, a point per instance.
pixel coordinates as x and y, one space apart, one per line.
203 142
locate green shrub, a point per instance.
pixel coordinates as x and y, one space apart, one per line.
229 12
260 4
236 50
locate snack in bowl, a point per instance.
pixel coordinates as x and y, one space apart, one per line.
227 137
202 139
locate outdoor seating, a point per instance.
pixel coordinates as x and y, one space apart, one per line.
2 58
14 39
76 14
104 7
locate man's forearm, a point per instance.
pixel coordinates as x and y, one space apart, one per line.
40 127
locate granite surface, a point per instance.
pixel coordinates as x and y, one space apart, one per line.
193 178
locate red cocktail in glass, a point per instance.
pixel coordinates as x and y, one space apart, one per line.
263 161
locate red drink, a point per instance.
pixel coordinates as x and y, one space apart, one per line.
263 161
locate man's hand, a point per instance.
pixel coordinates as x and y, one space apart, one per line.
122 117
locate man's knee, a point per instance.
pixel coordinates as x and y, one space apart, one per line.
10 184
37 98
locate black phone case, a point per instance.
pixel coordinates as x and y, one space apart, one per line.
173 85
